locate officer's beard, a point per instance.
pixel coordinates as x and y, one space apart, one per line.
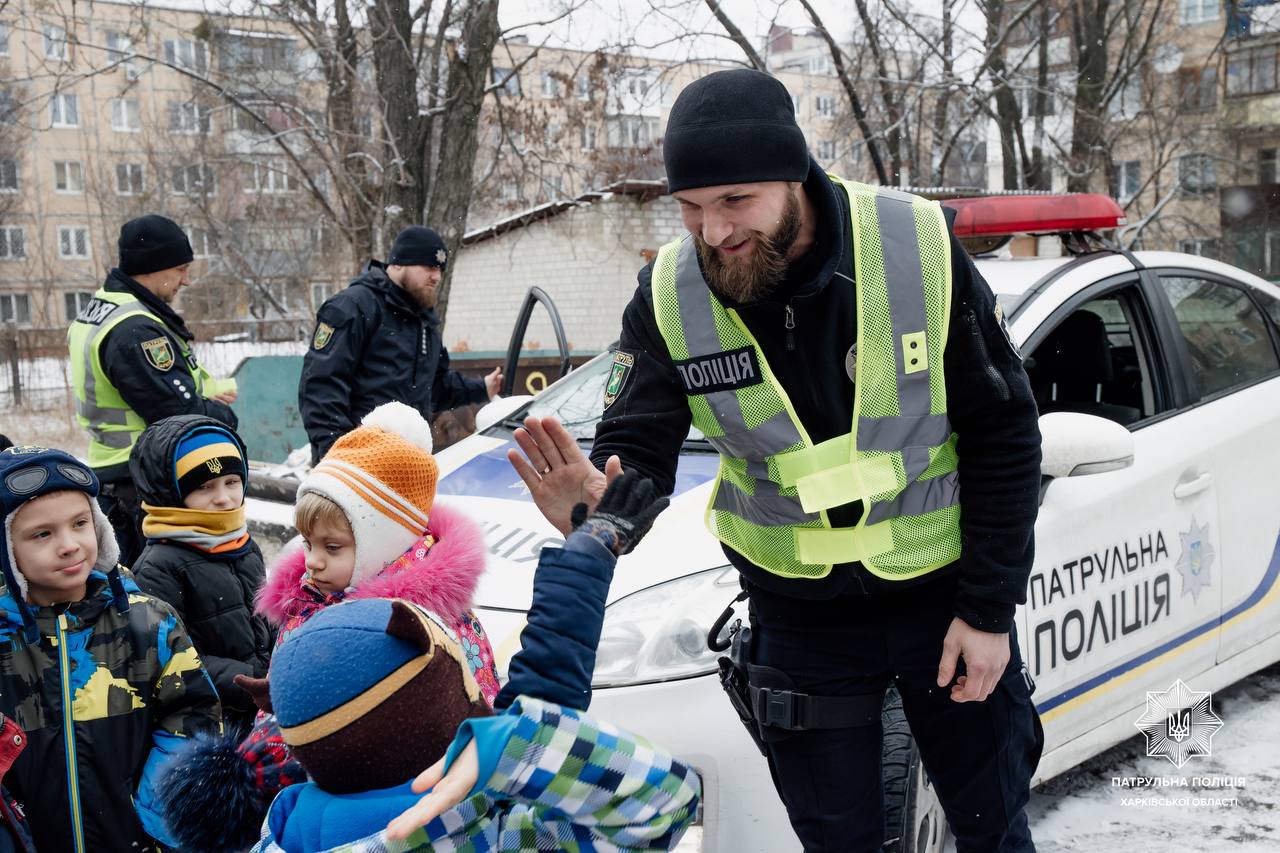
754 276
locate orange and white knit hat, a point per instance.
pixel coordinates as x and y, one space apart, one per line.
383 477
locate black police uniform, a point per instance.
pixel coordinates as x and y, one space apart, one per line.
374 344
851 632
152 393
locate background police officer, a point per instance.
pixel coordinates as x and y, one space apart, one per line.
379 340
759 327
132 363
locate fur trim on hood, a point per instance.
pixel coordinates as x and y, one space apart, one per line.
443 582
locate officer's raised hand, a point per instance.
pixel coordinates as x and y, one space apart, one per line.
557 472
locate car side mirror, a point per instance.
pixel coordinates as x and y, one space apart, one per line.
1074 444
499 409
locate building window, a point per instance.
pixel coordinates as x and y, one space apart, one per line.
1197 174
15 308
824 106
1250 72
55 42
587 137
1126 178
64 110
8 107
73 242
255 52
8 175
827 151
13 243
126 115
192 55
120 49
550 85
1197 89
1127 103
582 87
632 131
507 80
320 293
129 178
246 122
68 176
1267 166
74 301
201 244
195 179
268 177
188 117
4 39
1029 97
820 64
1199 11
1197 246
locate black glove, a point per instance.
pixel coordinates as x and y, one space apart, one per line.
623 516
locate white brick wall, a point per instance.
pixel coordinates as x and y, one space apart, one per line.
585 258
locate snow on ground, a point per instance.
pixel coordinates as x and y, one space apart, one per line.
1082 810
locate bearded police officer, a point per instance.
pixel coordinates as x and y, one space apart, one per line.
880 464
379 340
132 363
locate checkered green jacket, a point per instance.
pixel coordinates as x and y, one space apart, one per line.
561 780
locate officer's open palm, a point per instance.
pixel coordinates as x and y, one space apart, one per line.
556 471
447 790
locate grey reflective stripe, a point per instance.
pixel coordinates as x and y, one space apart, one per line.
904 280
919 498
766 507
96 414
698 324
891 434
91 346
116 440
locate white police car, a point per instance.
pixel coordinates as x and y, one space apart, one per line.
1158 542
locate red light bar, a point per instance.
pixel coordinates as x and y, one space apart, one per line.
1034 214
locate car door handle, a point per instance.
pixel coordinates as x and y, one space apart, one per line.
1192 487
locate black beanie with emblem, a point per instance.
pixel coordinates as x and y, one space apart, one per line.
152 243
418 246
733 127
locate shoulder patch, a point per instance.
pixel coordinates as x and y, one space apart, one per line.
618 376
324 334
159 353
722 371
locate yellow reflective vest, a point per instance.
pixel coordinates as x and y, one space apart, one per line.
774 485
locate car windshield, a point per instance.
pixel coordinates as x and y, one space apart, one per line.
576 401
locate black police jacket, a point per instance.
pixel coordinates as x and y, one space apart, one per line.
151 392
989 402
212 595
373 344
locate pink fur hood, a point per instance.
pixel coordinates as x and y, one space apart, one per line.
443 582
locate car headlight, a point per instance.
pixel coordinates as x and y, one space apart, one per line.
660 633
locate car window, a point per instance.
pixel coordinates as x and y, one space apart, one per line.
1094 361
1226 335
1271 305
577 400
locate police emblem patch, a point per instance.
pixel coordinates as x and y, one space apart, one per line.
441 256
159 353
324 334
622 364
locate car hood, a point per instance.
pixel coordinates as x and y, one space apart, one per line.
476 477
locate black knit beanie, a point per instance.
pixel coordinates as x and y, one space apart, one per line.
152 243
417 246
733 127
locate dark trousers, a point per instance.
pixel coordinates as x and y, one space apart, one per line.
119 500
979 755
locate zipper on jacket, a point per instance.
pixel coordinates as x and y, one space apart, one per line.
1002 387
791 326
69 734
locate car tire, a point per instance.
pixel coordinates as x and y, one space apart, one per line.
913 818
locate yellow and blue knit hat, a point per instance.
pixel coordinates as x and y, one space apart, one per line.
205 453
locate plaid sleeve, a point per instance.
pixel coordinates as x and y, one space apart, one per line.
565 780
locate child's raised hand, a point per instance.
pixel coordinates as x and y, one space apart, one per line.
446 792
624 514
